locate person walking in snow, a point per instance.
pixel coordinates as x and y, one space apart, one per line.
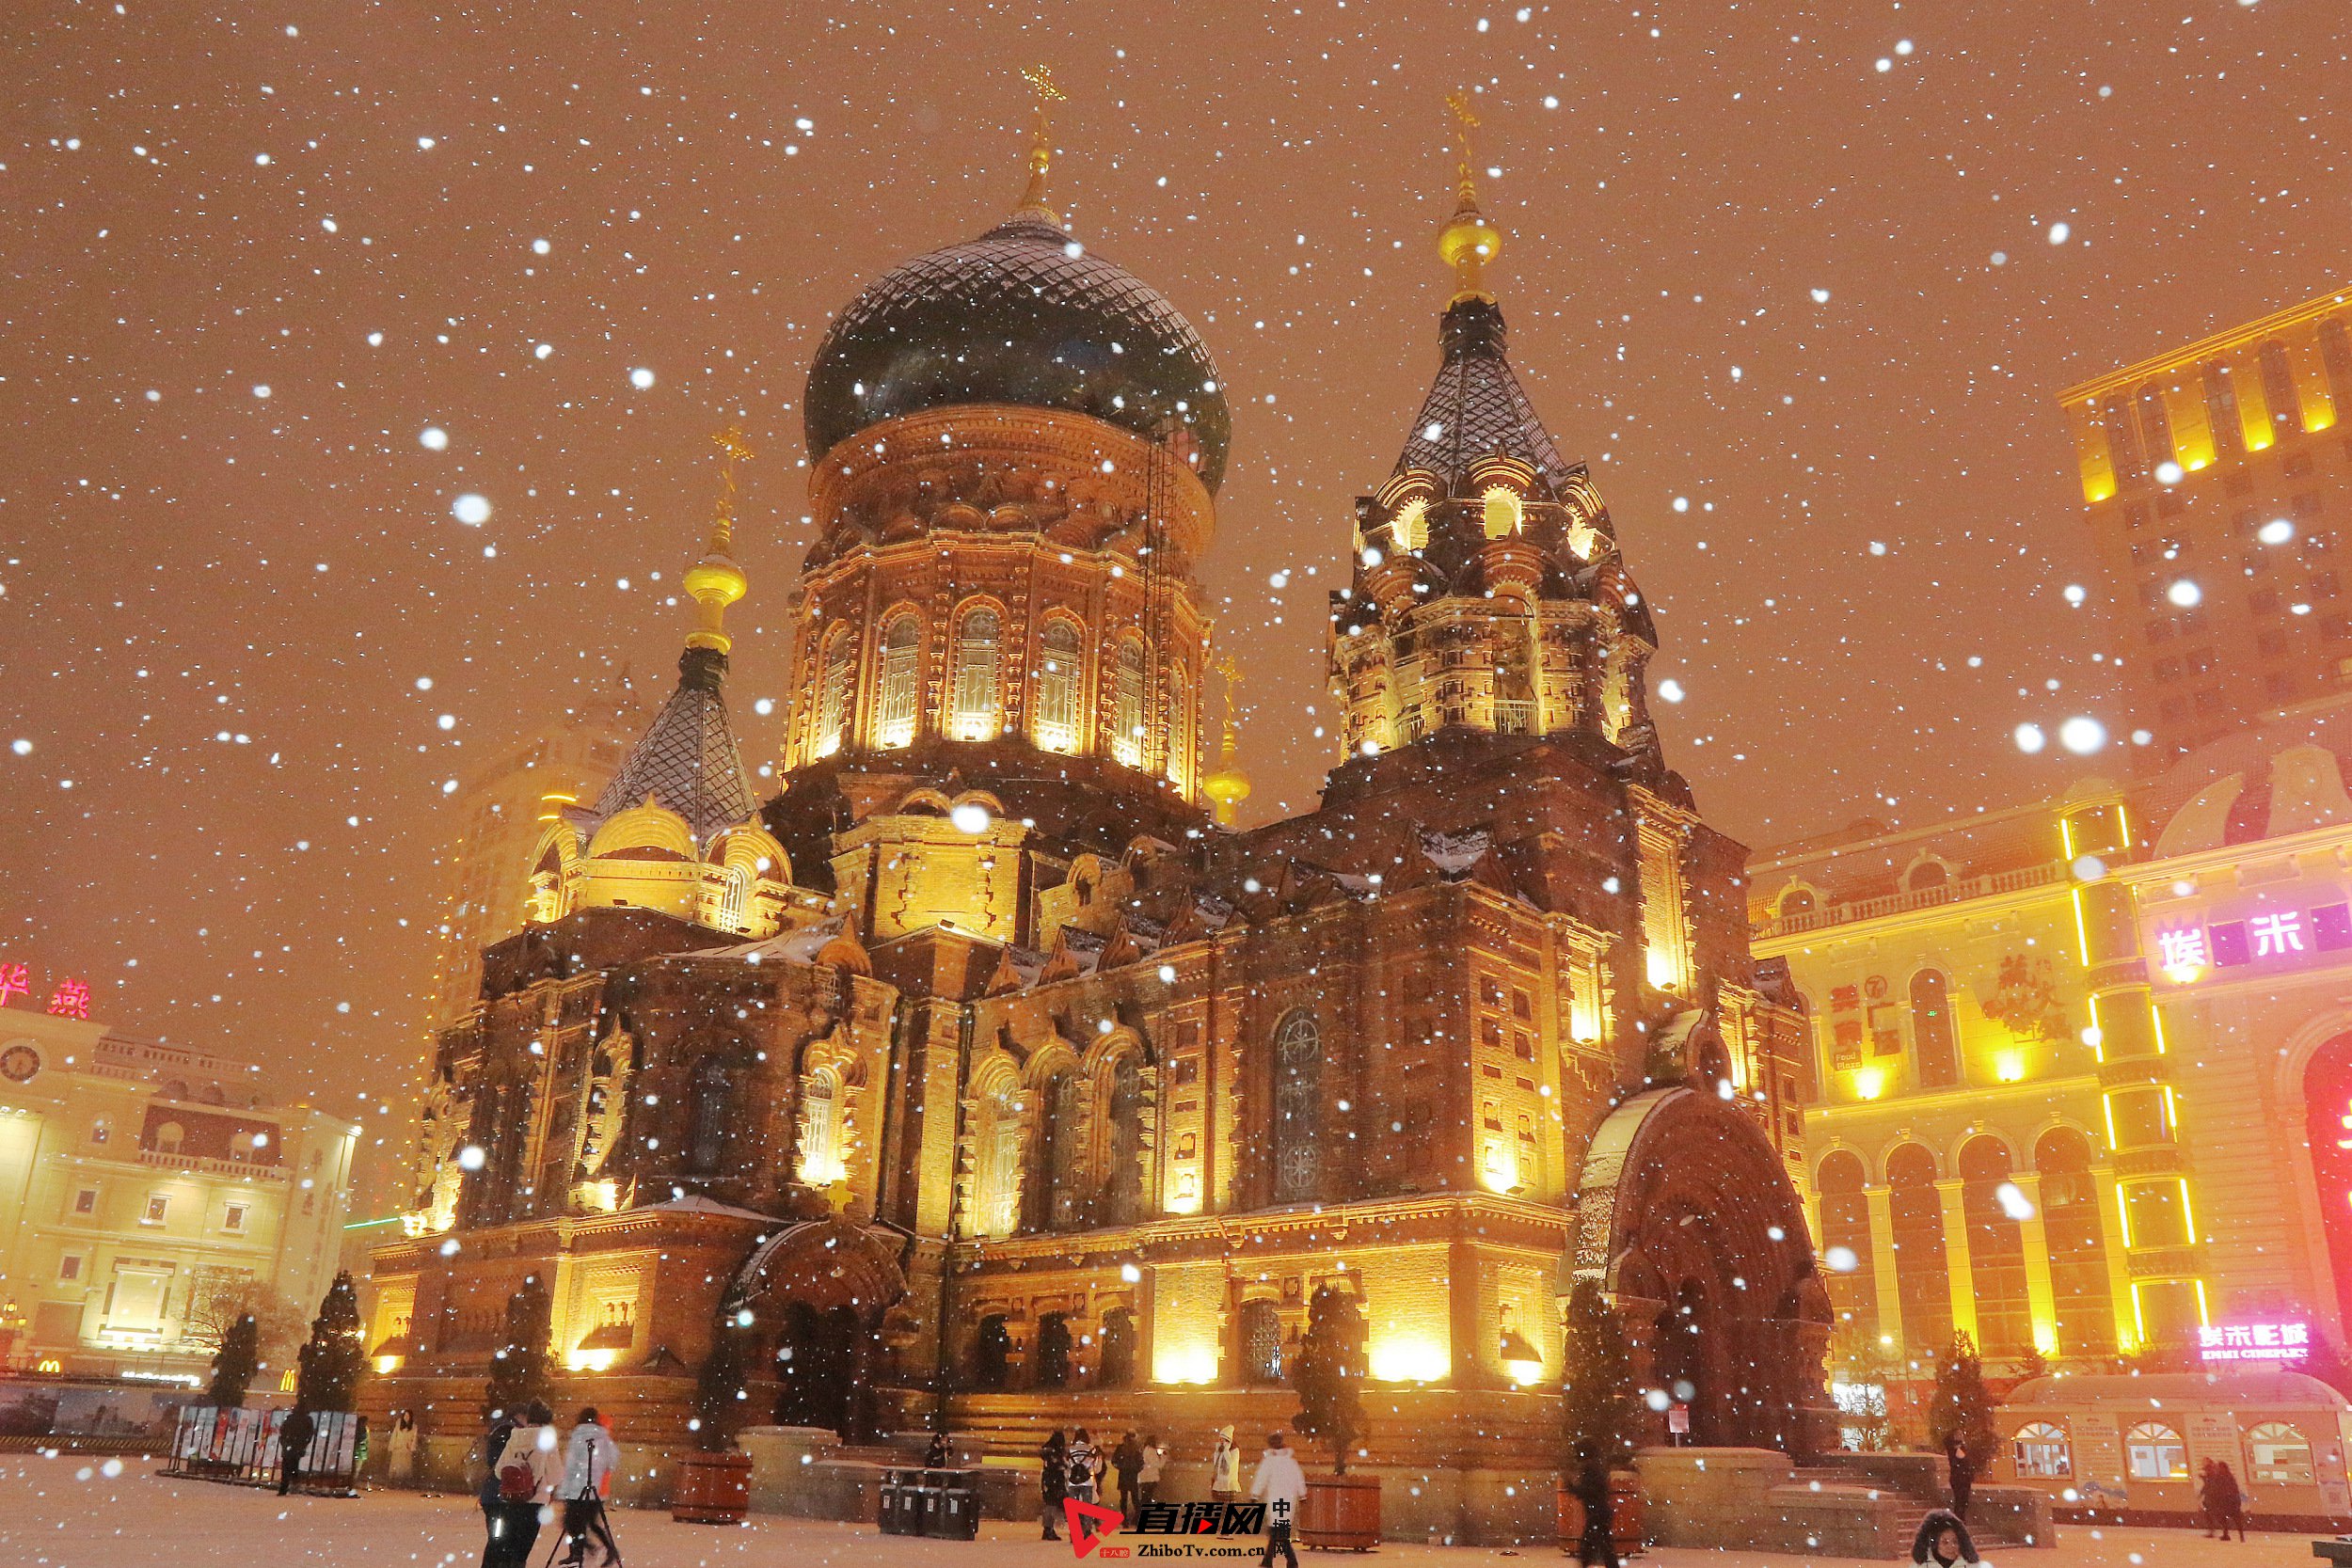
589 1455
524 1471
1280 1483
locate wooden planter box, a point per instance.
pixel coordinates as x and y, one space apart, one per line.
1341 1513
1625 1515
711 1488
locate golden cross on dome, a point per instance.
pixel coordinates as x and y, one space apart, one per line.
1040 79
1465 122
733 448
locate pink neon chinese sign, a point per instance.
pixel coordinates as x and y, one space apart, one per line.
2254 1342
70 998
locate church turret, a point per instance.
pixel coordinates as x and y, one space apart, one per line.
1489 593
675 830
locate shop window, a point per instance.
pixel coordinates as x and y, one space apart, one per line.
2281 1455
2043 1451
2156 1452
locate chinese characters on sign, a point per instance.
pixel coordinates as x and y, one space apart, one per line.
2185 952
71 999
2255 1342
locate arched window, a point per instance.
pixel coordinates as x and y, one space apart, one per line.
996 1158
1923 1279
1127 705
1934 1046
992 1353
1996 1248
2074 1224
1410 526
2043 1452
2155 1451
1797 900
1927 876
1261 1343
899 676
1297 1130
2281 1455
2155 426
1059 675
712 1110
169 1136
735 899
820 1131
1852 1271
1117 1366
977 707
1181 745
1053 1351
1054 1202
1121 1182
835 681
2286 409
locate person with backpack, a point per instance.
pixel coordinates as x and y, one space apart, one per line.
525 1468
1085 1465
589 1455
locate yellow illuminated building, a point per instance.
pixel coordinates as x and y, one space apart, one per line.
991 1071
2207 474
2082 1068
143 1188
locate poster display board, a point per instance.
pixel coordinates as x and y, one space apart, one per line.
213 1443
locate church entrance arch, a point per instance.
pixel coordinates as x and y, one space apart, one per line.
1687 1219
818 1293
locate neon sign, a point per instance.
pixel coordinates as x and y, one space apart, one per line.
2185 952
71 999
2255 1342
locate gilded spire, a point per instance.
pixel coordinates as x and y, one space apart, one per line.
1226 785
716 581
1468 242
1040 79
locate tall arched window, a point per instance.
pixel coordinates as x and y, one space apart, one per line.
1297 1130
735 899
712 1109
820 1131
899 675
1054 1201
835 682
2286 408
1923 1279
996 1159
2075 1227
1997 1249
1181 744
977 707
1053 1351
1127 705
1059 669
2155 426
1852 1276
1115 1366
1121 1182
1936 1047
992 1353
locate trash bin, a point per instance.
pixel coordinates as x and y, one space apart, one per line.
901 1504
952 1505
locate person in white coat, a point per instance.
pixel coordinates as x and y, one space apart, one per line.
1279 1483
1225 1467
589 1455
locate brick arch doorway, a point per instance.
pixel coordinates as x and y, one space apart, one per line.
819 1297
1688 1221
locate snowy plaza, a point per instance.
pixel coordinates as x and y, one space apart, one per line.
65 1512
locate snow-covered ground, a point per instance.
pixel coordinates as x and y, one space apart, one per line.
67 1513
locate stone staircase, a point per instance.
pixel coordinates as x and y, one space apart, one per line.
1845 1505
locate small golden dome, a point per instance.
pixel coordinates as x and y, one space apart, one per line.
716 579
1226 786
1468 242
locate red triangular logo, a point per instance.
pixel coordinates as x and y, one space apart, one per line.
1082 1539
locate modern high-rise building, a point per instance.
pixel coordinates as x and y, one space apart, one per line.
500 807
2216 479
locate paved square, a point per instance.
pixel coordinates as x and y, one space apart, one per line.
68 1512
